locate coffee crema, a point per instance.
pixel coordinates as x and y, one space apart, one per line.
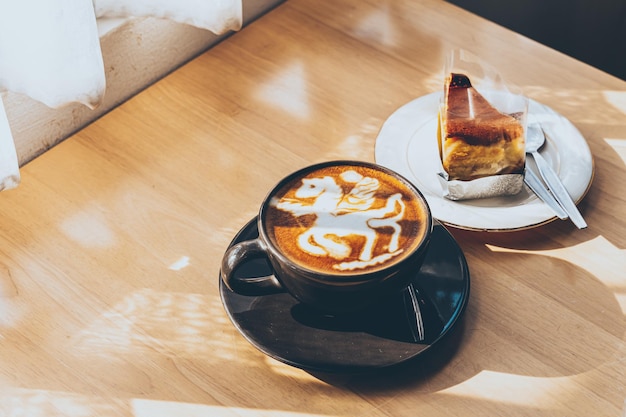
345 219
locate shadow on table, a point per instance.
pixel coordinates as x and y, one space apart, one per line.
406 374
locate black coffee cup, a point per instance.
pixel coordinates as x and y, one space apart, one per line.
339 236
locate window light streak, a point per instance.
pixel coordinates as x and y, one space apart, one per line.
181 263
617 99
172 324
288 91
621 300
378 27
285 370
619 146
585 256
151 408
89 228
11 313
350 147
505 388
44 403
358 145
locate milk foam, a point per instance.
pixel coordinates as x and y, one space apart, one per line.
347 208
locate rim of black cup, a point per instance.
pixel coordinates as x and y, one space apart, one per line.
343 277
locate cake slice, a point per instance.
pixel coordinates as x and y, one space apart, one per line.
475 139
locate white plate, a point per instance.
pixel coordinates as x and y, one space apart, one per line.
407 143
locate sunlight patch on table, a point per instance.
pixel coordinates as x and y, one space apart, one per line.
43 403
171 324
288 91
507 388
595 256
617 99
621 300
377 26
358 145
150 408
180 263
285 370
89 228
619 146
47 403
574 103
11 313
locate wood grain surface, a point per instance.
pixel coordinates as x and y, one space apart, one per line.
110 248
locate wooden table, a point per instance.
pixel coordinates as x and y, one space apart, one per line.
111 246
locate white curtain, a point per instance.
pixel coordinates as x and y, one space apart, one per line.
50 50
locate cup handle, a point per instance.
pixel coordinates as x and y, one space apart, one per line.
236 256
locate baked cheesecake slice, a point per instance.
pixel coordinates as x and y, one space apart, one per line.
475 139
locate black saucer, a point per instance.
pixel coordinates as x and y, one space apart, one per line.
290 332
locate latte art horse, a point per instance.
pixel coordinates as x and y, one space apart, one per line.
339 215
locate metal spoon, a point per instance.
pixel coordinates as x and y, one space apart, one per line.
539 188
534 141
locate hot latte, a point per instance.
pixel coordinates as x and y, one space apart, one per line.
345 219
